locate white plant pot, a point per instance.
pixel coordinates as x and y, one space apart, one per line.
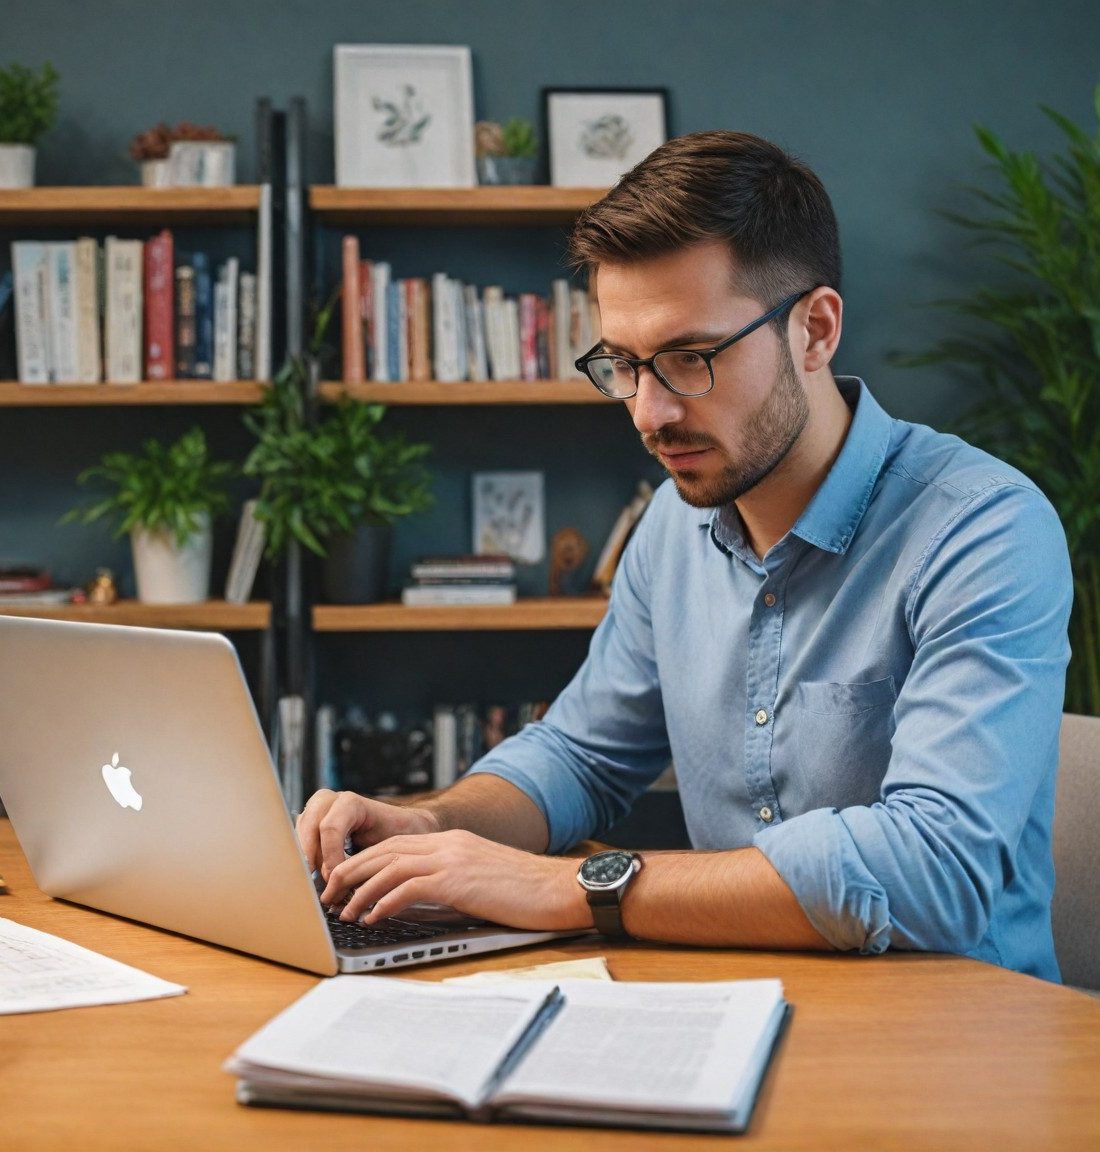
16 166
202 163
168 574
154 174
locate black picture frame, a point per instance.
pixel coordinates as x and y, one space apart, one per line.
594 135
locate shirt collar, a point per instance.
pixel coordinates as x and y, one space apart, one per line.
831 518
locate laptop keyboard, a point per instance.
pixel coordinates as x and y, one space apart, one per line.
384 933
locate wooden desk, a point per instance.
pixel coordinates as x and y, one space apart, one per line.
895 1052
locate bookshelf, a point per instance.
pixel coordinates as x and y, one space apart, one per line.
140 210
433 392
211 615
532 613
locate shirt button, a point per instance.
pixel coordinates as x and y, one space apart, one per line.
766 814
762 717
769 599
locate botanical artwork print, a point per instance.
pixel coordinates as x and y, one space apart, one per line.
606 138
404 120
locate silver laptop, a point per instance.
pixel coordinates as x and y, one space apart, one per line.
138 781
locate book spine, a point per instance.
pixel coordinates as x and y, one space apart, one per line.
124 259
457 304
225 322
62 323
476 353
89 354
350 304
528 336
493 297
262 354
561 309
380 294
580 326
160 352
204 318
30 315
512 352
444 746
394 329
246 327
185 322
420 328
366 316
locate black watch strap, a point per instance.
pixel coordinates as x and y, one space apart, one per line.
607 913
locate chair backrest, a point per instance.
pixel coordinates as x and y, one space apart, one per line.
1076 909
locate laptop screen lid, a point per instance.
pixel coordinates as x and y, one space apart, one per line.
139 782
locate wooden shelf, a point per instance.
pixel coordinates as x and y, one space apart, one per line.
14 395
467 392
530 614
95 206
486 205
210 615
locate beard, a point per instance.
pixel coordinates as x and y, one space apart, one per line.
770 434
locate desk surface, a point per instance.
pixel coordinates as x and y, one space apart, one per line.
892 1052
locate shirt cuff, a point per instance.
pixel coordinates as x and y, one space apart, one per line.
816 857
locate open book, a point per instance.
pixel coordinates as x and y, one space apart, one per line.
677 1056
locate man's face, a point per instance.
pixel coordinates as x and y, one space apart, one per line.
719 446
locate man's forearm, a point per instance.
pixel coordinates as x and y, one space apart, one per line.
727 899
491 807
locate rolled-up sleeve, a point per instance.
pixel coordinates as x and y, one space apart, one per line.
973 752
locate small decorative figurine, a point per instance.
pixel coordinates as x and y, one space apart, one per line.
102 589
568 548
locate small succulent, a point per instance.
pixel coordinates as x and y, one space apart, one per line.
153 143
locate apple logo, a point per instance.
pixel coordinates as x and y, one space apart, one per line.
117 778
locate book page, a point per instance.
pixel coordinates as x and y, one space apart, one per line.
652 1048
39 972
391 1038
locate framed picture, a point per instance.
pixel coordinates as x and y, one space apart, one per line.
594 135
404 116
508 515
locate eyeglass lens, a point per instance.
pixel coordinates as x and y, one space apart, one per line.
684 371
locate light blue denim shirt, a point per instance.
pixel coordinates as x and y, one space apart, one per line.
875 705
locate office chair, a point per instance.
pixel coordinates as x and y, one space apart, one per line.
1076 909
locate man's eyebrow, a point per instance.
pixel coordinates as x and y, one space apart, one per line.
708 339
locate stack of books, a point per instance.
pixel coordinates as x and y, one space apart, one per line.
27 585
468 579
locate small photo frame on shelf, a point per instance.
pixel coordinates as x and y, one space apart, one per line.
509 516
594 135
404 116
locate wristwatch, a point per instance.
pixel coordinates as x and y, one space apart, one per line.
605 877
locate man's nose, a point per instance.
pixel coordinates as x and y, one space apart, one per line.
654 407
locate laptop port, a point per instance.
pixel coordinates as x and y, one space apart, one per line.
418 955
380 963
400 956
454 947
435 952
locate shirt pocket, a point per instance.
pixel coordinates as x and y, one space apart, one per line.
840 739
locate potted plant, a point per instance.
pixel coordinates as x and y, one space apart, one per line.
187 154
336 485
506 153
166 499
28 108
1033 342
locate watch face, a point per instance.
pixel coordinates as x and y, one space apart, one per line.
607 867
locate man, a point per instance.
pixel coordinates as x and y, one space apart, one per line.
846 631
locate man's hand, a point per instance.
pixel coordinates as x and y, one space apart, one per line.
474 875
330 818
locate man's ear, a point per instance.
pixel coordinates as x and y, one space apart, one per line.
818 333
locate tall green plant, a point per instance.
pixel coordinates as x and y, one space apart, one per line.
328 477
1034 342
28 103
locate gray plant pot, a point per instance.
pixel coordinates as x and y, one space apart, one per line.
357 565
506 169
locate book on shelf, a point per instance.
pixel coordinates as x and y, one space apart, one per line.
89 326
248 550
9 366
350 312
452 594
203 368
264 302
226 292
124 261
674 1056
185 321
464 566
246 326
160 307
608 560
21 579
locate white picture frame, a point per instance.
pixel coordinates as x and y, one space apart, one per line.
509 515
404 116
594 135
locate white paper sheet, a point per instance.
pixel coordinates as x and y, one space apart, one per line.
39 973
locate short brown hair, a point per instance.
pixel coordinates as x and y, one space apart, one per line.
772 211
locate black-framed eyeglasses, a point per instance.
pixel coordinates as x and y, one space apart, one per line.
685 371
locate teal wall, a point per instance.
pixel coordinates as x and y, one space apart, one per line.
878 97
